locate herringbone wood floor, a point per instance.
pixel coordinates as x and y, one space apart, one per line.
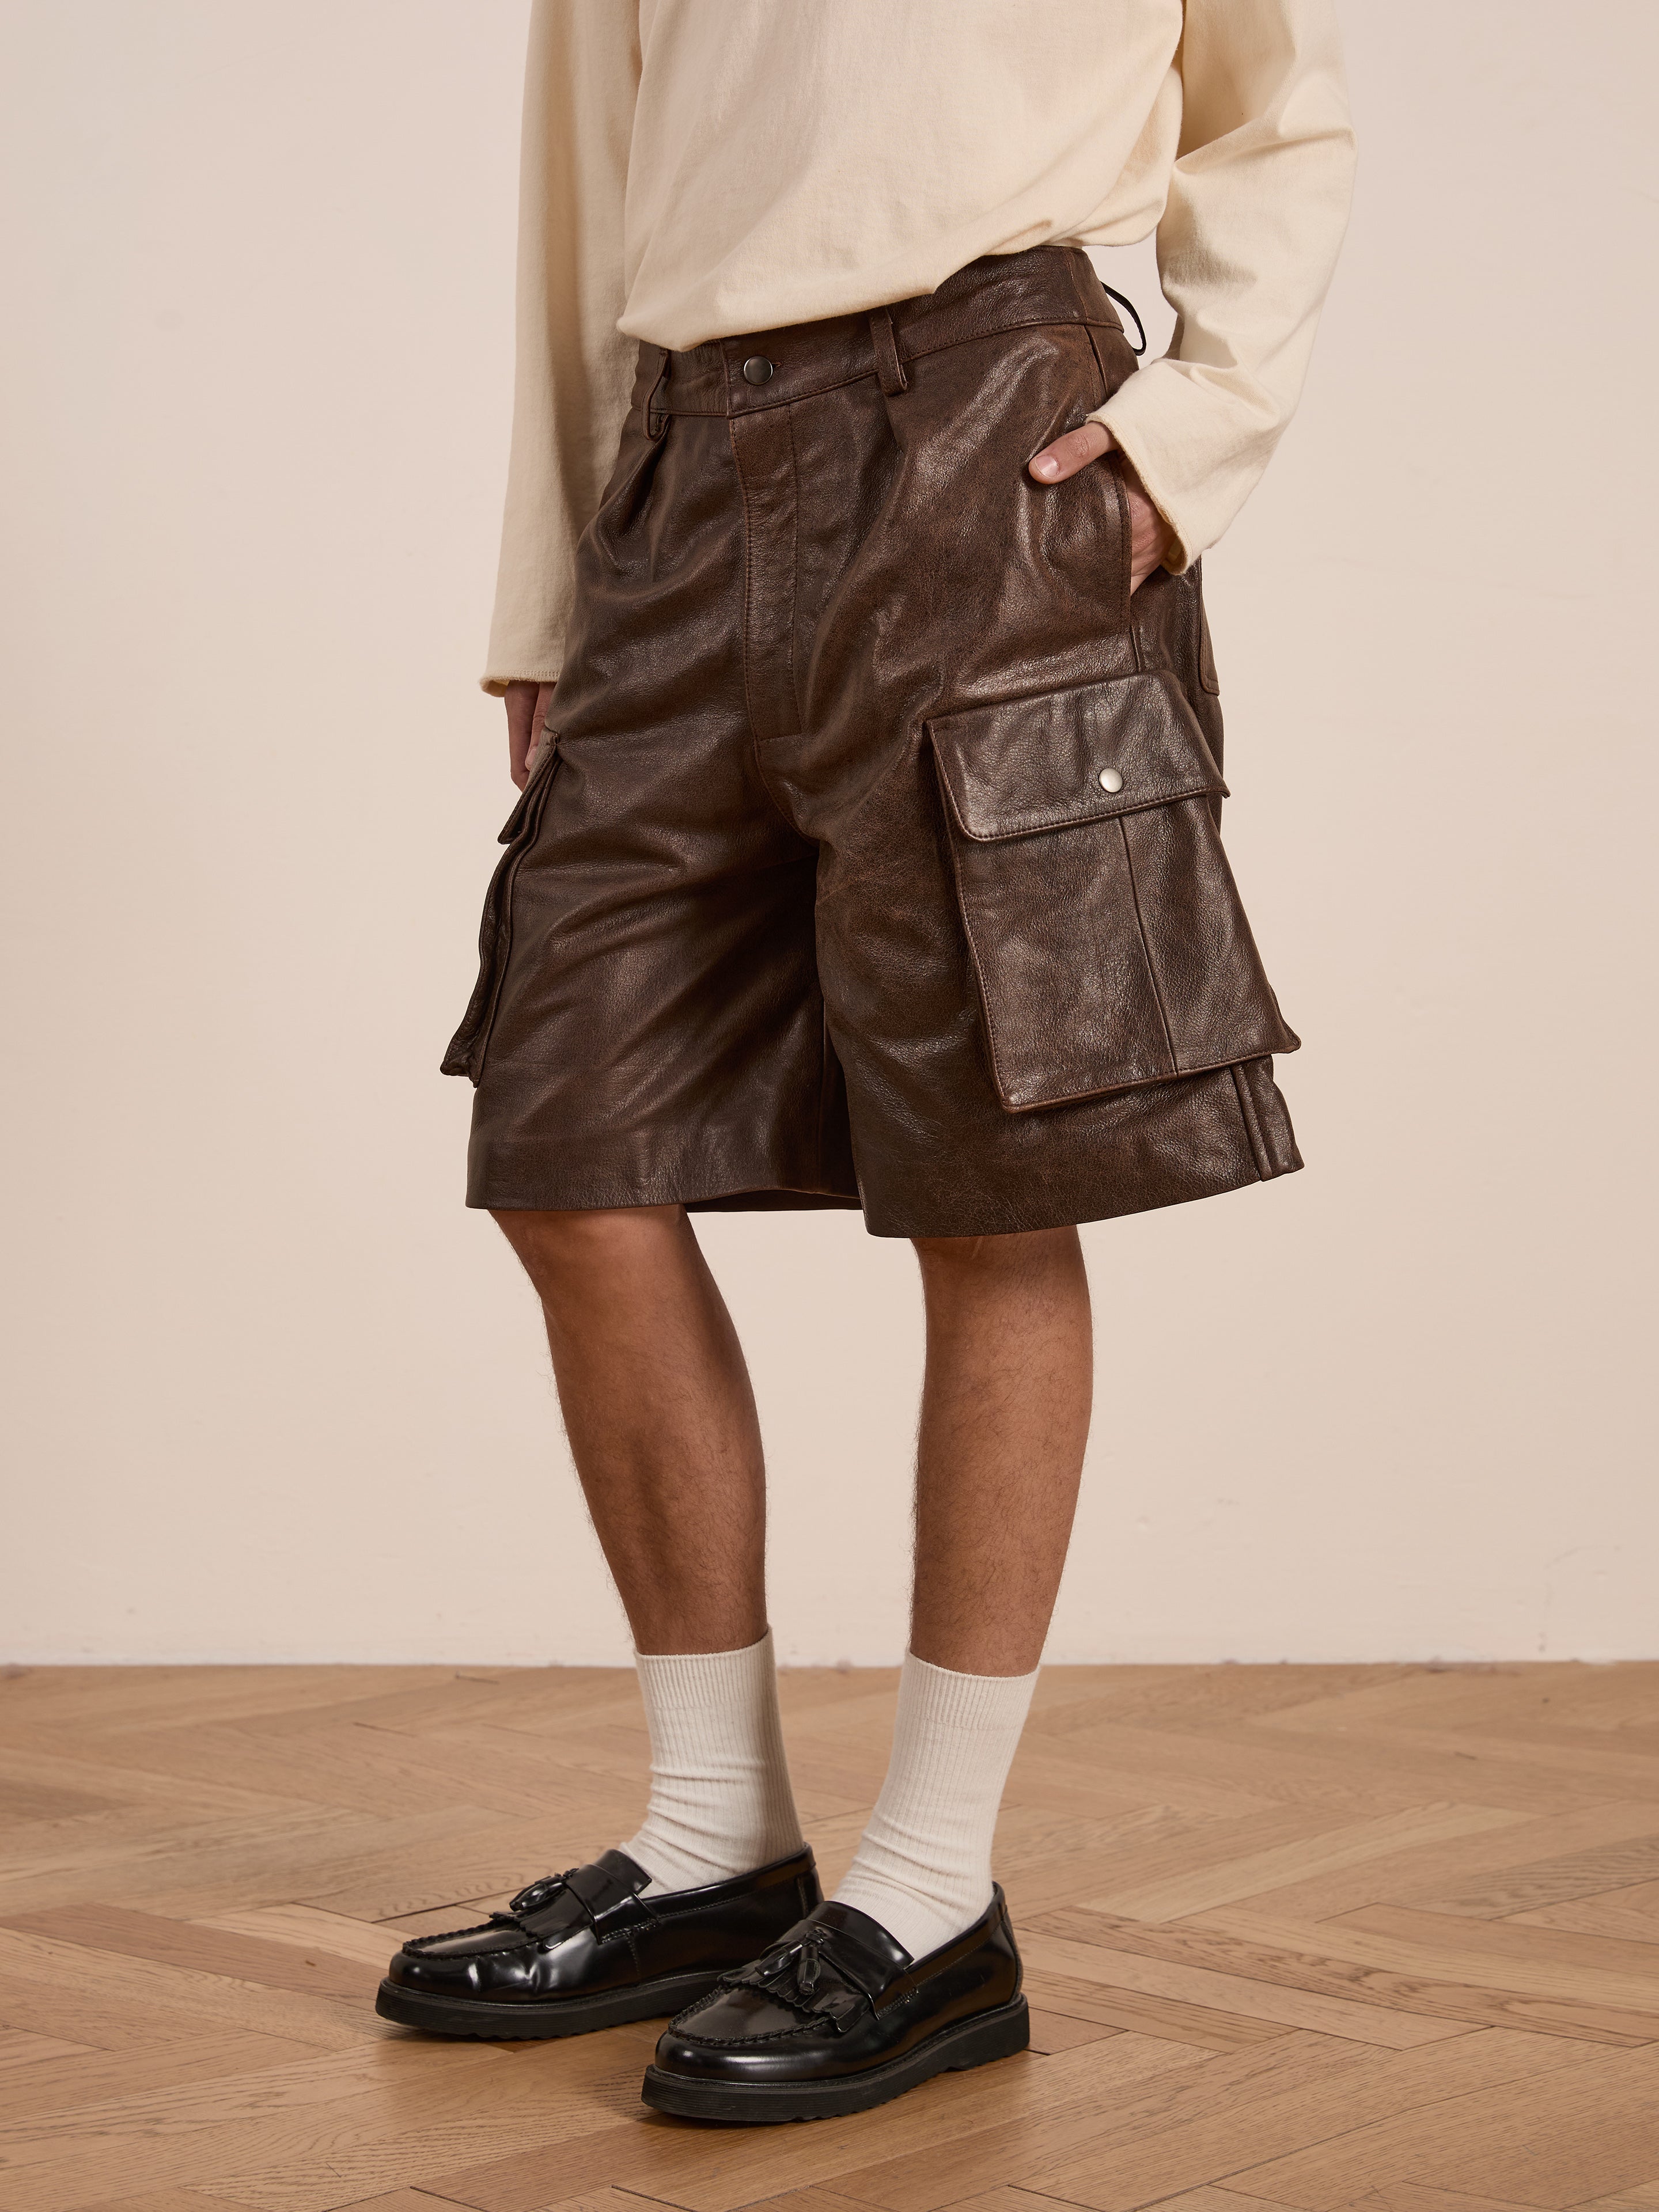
1385 1938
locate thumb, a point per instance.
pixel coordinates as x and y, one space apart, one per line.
1075 451
540 735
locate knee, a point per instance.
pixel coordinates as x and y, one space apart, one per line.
946 1258
560 1250
949 1252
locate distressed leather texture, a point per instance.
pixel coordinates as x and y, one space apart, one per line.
816 898
1036 763
1048 858
838 1996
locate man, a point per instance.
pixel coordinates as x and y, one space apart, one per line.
867 855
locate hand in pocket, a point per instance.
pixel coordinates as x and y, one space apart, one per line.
1150 536
527 710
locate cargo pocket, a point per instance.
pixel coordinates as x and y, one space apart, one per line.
466 1053
1101 916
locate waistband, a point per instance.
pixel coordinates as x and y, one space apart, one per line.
1000 292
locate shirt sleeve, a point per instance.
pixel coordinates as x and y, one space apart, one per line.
1257 207
574 368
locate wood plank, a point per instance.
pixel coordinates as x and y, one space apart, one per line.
44 1979
1262 1951
1045 1850
1620 1864
700 2169
795 2200
188 2200
1420 1873
1193 2199
1053 1776
329 2130
1125 2168
1400 2196
101 2077
18 2048
105 1928
1623 2000
1205 1698
1244 1873
1165 1764
119 2012
361 1770
1587 1770
380 1699
927 2178
198 1866
23 1800
1599 1962
422 2200
84 1768
367 1943
1083 2001
518 2181
1482 1696
613 2200
1165 1867
1339 1770
1004 2198
1234 1994
1057 2031
92 1697
1546 2143
1631 1914
478 1857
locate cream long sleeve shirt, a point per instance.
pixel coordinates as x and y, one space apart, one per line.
695 169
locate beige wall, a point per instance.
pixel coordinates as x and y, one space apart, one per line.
274 1393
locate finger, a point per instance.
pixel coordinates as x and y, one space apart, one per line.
520 702
541 735
1066 455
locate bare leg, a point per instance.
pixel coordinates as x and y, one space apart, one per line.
1004 1419
662 1427
661 1419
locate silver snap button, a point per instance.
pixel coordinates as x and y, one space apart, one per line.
1110 779
757 369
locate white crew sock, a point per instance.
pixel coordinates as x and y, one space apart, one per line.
923 1867
721 1800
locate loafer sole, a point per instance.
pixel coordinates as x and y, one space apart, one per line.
975 2042
536 2017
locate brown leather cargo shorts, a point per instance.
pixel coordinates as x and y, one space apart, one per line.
871 857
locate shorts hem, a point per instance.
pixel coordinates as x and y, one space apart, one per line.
999 1218
491 1190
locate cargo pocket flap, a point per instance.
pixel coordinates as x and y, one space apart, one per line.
467 1046
1080 756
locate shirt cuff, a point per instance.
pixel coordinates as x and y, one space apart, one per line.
1197 445
496 685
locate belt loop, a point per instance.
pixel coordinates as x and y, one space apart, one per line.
657 419
888 367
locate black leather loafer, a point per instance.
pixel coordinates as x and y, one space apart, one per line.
838 2017
583 1949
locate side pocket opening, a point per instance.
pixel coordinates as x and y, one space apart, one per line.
1206 653
1105 929
467 1046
